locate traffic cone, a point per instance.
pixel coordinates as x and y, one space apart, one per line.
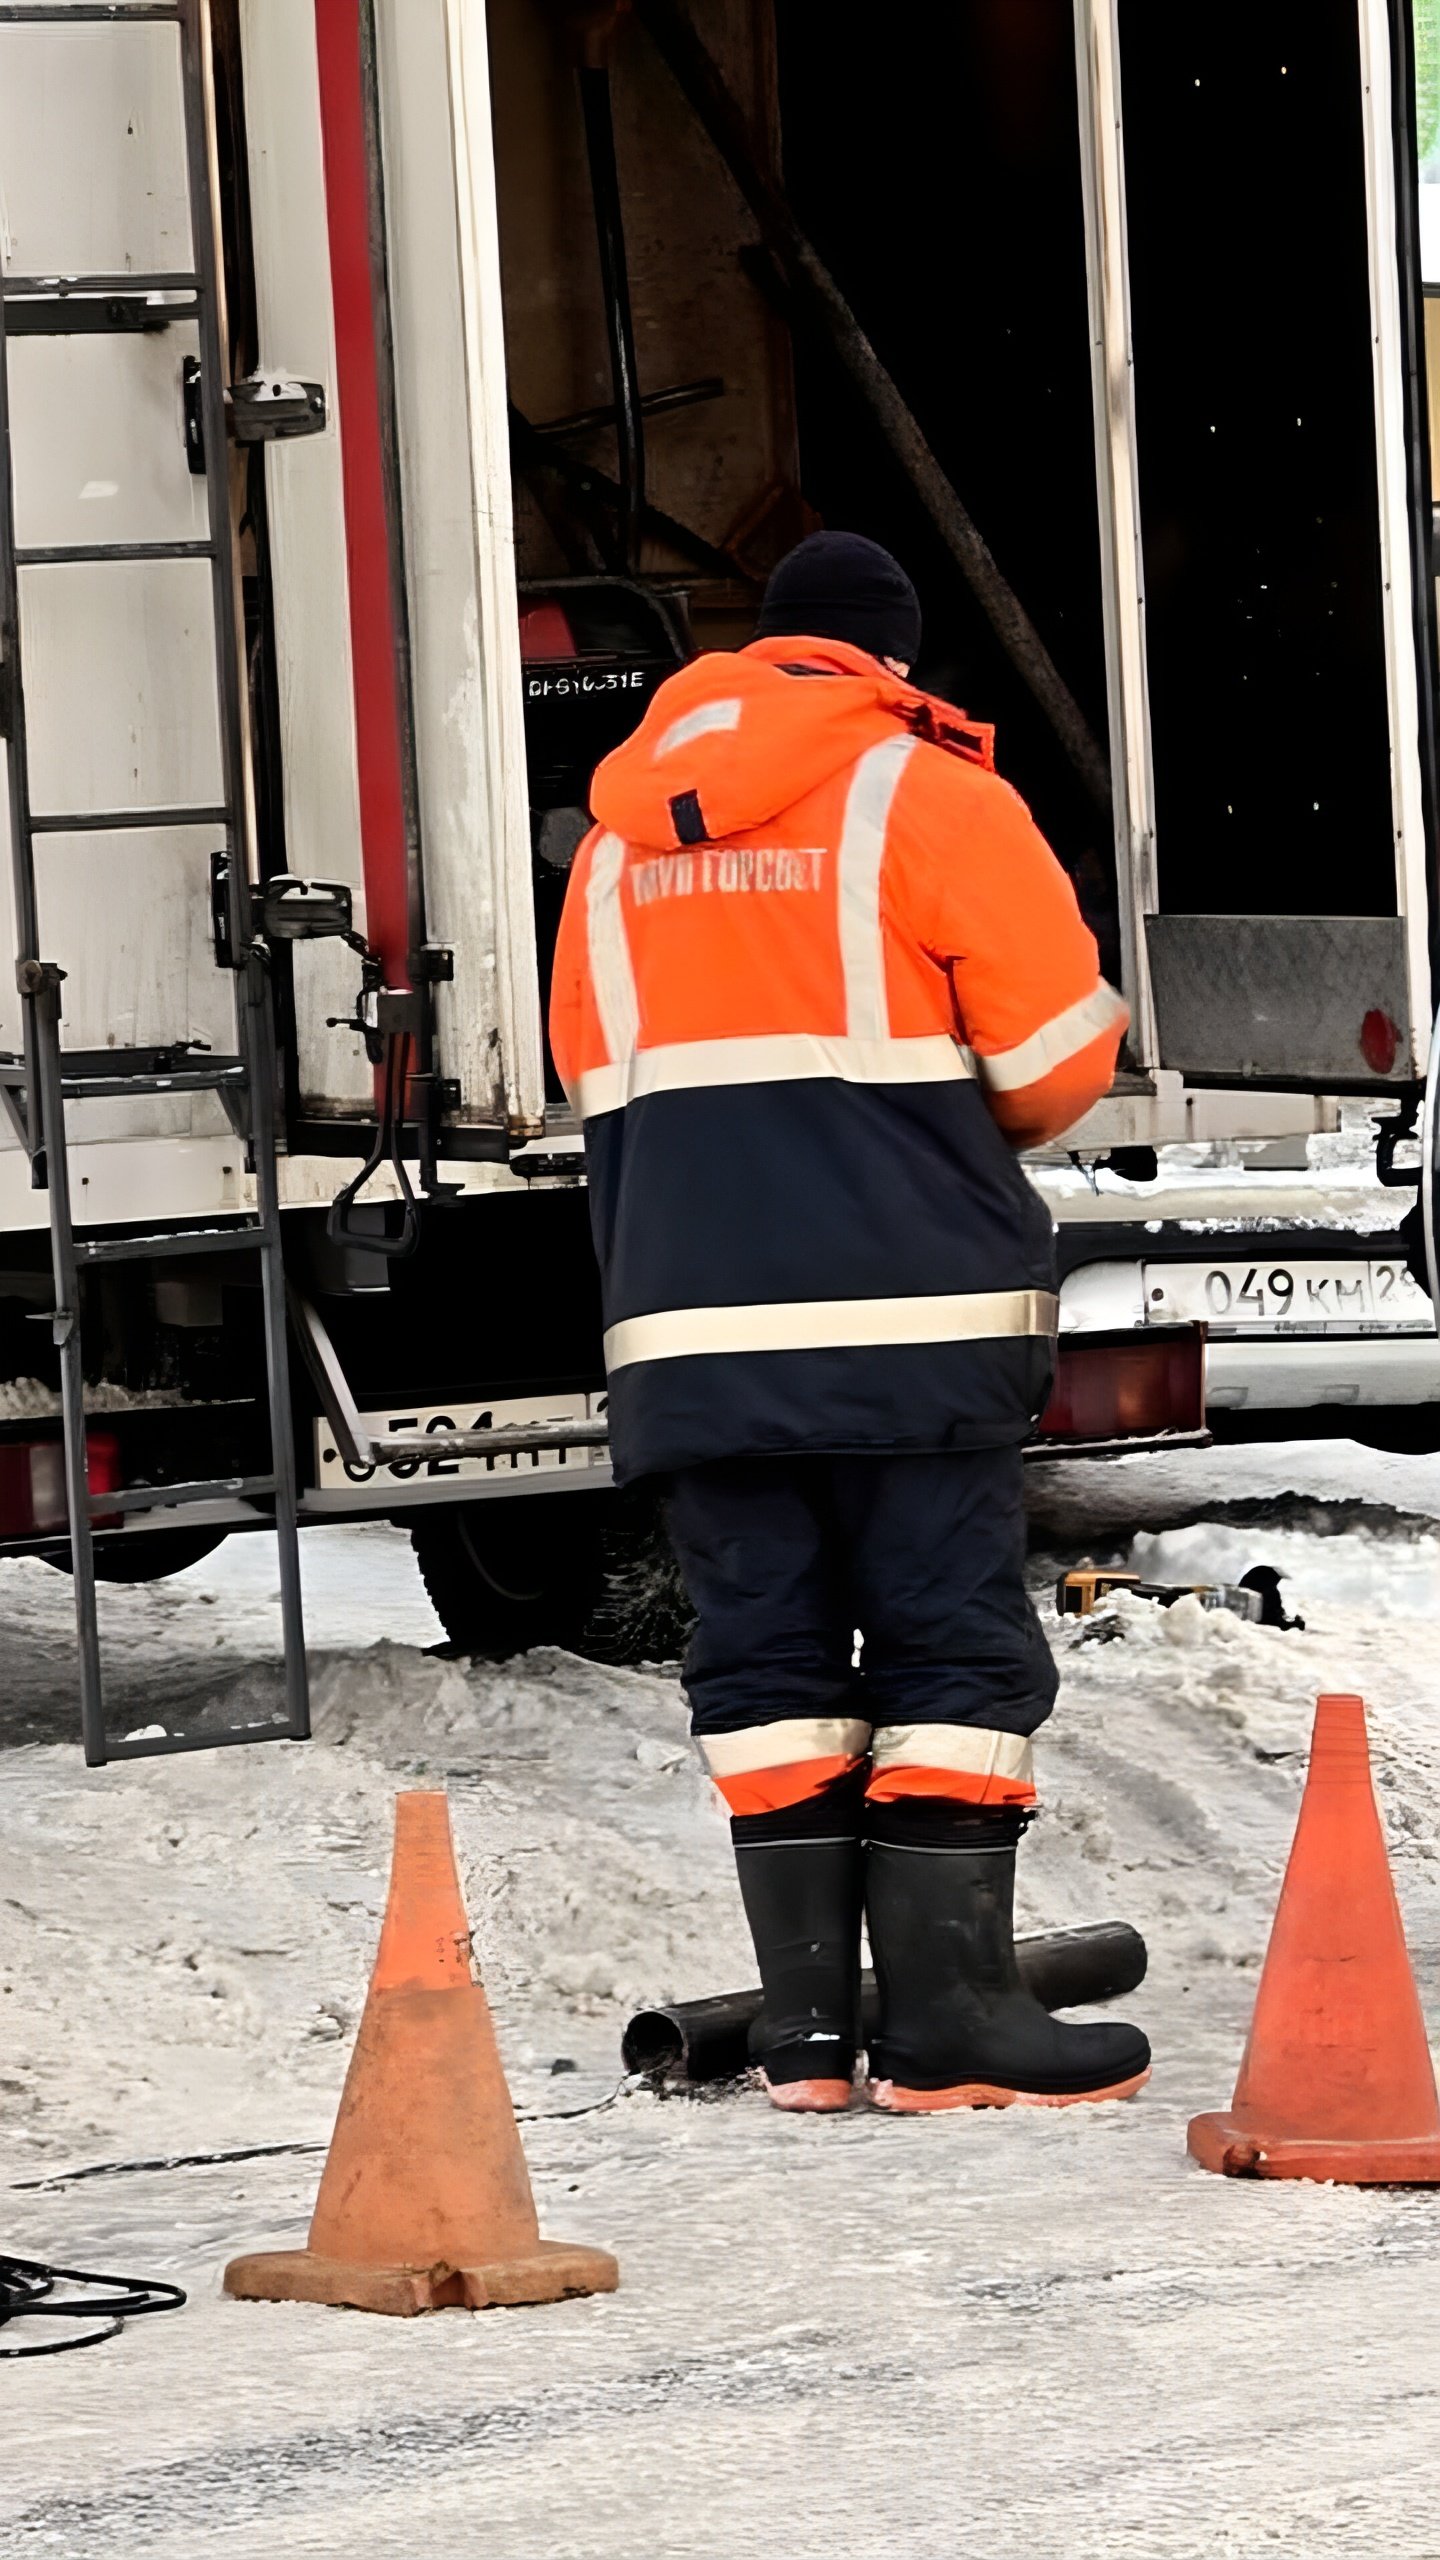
1337 2080
425 2201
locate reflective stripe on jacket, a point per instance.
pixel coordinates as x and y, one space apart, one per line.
817 975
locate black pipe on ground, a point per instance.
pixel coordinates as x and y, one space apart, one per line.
690 2042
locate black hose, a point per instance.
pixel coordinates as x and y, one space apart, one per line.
26 2288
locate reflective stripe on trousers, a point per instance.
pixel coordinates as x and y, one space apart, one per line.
764 1768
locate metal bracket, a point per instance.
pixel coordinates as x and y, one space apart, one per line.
359 1449
266 409
399 1012
272 409
1389 1134
225 957
12 1107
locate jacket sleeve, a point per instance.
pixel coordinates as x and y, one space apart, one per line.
571 1003
992 905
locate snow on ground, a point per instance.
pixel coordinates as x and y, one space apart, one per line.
1034 2334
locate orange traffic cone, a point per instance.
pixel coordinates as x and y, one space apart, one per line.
1337 2080
425 2199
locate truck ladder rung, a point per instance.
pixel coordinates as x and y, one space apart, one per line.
65 555
99 1088
174 1242
122 822
87 13
161 1746
13 287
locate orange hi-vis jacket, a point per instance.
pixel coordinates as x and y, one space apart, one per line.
818 975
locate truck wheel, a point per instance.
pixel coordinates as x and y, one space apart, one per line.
507 1575
1405 1435
149 1558
643 1611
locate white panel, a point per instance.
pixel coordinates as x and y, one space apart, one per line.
182 1178
1392 454
92 151
120 685
459 545
97 433
1122 569
128 916
307 525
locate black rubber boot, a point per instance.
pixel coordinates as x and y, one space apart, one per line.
802 1882
957 2026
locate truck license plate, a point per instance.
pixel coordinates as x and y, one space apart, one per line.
333 1473
1287 1297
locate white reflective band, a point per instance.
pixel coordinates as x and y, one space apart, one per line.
1055 1041
698 724
776 1746
862 852
969 1749
782 1057
830 1324
611 972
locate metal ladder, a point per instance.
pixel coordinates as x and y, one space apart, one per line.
36 1088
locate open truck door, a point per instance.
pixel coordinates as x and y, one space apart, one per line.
1255 280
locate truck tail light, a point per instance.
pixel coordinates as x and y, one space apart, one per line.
546 632
32 1483
1128 1386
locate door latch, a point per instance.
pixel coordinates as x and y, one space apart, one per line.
267 408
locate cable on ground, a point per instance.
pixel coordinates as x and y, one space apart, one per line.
27 2288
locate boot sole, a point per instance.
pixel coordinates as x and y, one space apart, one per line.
809 2097
893 2100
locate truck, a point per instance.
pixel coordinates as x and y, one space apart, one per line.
392 393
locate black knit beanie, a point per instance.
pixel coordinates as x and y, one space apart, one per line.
838 586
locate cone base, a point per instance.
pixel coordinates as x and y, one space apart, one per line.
552 2271
1235 2150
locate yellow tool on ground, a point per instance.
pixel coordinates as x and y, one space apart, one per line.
1256 1596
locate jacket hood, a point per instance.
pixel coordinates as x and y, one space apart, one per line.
732 740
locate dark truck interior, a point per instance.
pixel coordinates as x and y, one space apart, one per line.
741 425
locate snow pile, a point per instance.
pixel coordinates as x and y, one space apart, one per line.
1118 2351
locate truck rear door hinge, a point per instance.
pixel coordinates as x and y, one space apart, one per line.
268 408
220 924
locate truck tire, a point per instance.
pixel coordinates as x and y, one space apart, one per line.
1403 1435
643 1611
504 1576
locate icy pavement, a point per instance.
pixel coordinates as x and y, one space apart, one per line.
1022 2334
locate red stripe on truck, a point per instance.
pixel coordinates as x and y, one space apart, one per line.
374 622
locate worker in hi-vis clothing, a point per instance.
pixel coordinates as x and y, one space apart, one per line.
818 977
